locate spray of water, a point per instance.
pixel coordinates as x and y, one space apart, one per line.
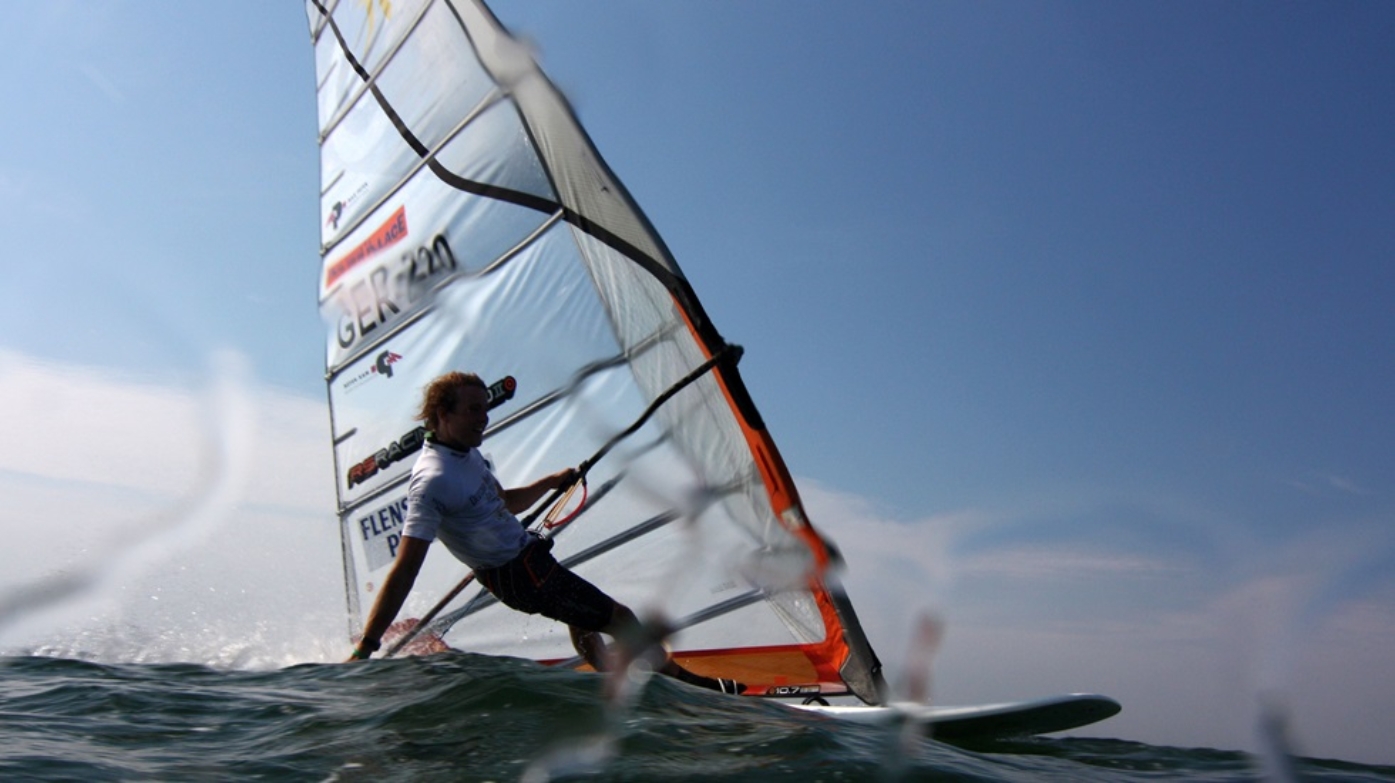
42 608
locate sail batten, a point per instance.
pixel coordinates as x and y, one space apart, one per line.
470 223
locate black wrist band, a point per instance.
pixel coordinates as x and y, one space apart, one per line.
369 646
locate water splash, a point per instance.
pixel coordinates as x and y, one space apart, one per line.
225 415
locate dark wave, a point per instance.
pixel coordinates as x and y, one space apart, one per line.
465 717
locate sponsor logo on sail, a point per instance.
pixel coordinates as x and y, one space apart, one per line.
381 531
405 446
336 210
381 368
392 231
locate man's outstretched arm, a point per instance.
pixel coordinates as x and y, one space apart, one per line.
411 553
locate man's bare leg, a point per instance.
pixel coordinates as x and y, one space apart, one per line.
635 640
590 646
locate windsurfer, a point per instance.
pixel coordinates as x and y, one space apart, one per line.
453 495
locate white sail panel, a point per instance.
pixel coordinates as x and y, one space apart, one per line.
540 296
365 155
389 266
370 30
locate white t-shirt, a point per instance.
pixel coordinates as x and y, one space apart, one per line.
453 496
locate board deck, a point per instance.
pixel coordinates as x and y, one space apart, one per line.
986 721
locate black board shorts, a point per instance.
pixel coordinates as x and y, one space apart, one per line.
534 582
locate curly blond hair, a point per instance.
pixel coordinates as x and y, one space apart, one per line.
439 396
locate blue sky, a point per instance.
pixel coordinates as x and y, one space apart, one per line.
1084 307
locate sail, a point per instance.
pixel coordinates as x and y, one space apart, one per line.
470 224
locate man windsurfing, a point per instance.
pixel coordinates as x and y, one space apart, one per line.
454 496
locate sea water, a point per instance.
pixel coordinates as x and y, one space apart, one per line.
465 717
